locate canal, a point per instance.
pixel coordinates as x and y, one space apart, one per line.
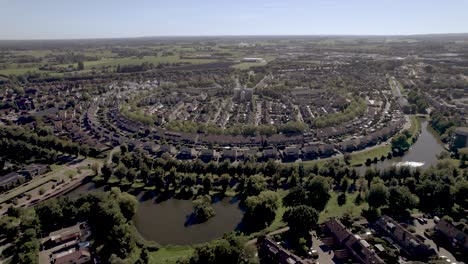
423 153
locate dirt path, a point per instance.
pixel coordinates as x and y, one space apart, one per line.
279 231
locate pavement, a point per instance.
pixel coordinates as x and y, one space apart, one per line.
325 254
420 228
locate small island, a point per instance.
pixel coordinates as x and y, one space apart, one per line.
202 210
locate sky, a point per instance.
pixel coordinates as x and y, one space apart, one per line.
65 19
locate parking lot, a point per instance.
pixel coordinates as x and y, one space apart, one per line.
420 228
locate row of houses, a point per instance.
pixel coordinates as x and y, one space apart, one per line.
456 238
347 245
16 178
407 242
271 252
291 153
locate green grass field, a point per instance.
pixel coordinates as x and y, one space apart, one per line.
360 157
108 61
334 210
170 255
247 65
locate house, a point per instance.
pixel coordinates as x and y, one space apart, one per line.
409 243
291 153
75 232
229 154
32 170
270 252
65 234
10 180
166 149
186 153
207 154
250 154
459 138
310 151
349 245
455 236
270 153
75 256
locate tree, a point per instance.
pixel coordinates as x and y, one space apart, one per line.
461 194
318 192
228 250
202 209
144 256
254 185
378 195
400 143
106 171
301 219
224 181
400 199
128 205
260 210
341 199
296 196
80 66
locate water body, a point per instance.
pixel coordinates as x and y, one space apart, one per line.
423 153
85 188
165 222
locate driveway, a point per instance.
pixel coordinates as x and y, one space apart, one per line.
325 255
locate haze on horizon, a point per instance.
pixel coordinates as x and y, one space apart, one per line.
62 19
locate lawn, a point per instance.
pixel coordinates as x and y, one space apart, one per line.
170 255
247 65
149 59
319 162
18 71
334 210
360 157
109 61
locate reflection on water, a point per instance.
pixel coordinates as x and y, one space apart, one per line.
412 164
422 154
85 188
165 222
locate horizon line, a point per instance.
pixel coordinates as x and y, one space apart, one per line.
234 35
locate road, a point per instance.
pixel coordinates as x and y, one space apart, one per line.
395 87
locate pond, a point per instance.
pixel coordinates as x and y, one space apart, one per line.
165 222
423 153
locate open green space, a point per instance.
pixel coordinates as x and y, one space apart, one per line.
247 65
334 210
170 254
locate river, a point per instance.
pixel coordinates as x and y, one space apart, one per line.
423 153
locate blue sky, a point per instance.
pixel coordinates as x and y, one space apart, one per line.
56 19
